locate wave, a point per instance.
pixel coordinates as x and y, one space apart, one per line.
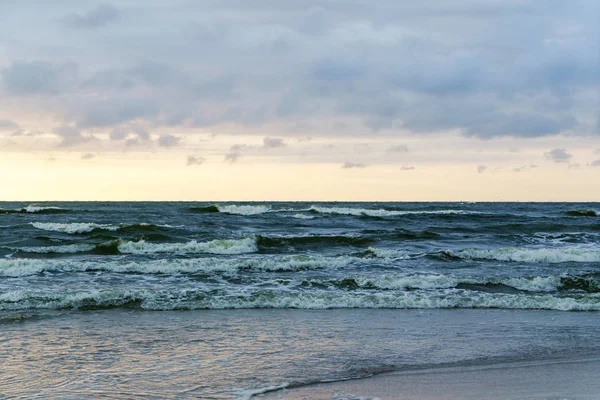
388 253
384 213
303 216
68 248
19 267
86 227
221 246
582 213
197 298
36 209
267 242
232 209
535 255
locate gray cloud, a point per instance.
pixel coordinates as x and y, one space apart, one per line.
558 155
595 163
525 168
194 160
88 156
401 148
481 169
484 69
70 136
233 157
168 141
271 143
349 164
24 78
407 168
96 17
8 125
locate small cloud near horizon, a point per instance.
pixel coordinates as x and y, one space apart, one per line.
194 160
349 164
558 155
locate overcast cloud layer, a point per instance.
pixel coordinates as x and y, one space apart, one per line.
486 68
495 85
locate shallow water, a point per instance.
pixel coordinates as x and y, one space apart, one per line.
222 354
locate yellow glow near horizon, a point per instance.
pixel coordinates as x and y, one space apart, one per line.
29 177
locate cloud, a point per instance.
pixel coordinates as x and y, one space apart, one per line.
595 163
70 136
558 155
525 168
481 169
88 156
401 148
233 157
94 18
272 143
8 125
27 78
168 141
194 160
407 168
349 164
283 69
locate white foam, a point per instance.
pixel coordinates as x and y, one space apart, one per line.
68 248
197 298
73 227
532 255
381 212
302 216
34 209
16 267
248 394
233 246
244 209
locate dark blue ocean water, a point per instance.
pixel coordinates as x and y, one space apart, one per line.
221 300
166 256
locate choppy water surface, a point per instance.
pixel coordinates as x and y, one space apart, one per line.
77 259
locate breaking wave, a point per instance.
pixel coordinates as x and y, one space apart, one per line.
232 209
195 298
19 267
86 227
232 246
36 209
539 255
384 213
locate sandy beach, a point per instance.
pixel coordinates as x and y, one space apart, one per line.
573 379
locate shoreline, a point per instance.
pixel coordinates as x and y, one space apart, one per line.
536 379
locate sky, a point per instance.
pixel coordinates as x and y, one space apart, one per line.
495 100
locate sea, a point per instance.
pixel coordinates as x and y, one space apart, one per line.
228 300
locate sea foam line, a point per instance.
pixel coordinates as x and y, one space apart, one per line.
531 255
197 298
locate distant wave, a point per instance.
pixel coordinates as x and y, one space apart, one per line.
85 227
384 213
266 241
535 255
36 209
582 213
197 298
232 209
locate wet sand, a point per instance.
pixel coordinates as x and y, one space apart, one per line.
550 380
